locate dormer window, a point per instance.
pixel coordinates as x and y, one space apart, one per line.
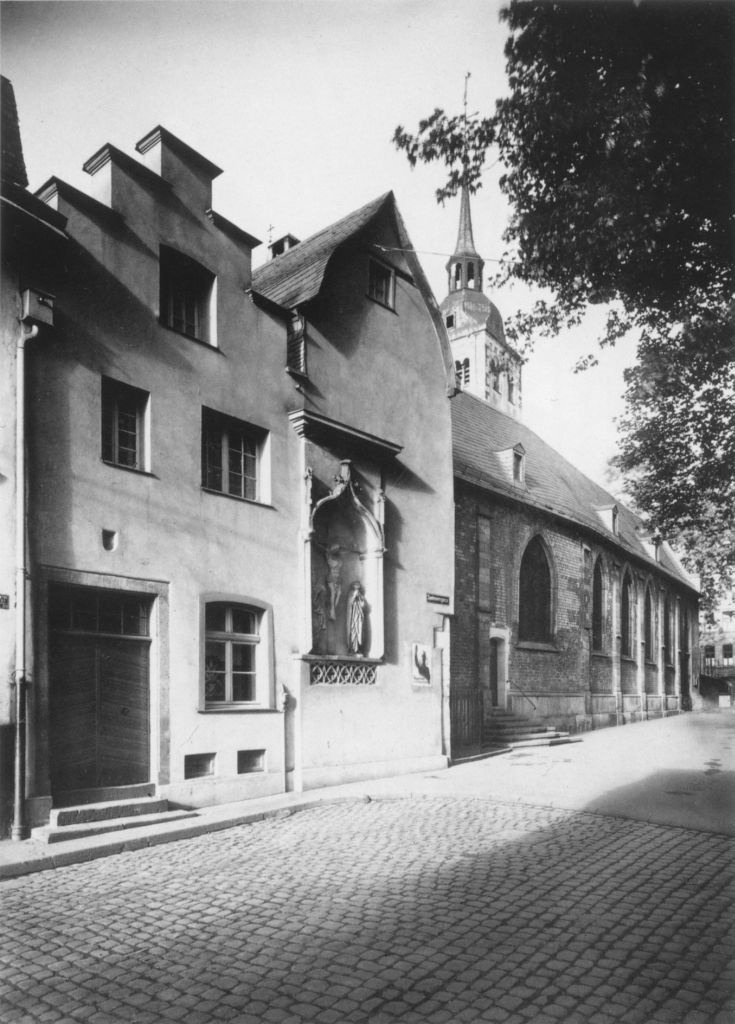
518 467
609 516
450 320
381 284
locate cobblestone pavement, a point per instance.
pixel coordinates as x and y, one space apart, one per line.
415 911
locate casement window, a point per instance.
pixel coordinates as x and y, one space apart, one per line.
597 593
727 654
186 294
232 457
627 607
124 425
534 607
709 652
381 284
231 661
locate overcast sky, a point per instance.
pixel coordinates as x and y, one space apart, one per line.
297 101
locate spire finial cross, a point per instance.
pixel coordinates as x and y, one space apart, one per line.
465 158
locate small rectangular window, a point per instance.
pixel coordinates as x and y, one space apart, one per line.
709 652
381 284
186 291
124 414
199 766
231 456
250 761
296 345
727 652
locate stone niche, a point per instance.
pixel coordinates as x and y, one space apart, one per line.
347 545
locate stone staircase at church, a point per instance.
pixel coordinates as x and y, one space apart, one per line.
93 819
508 730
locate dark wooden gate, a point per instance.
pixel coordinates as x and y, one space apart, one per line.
466 712
99 690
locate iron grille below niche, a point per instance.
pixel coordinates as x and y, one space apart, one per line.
342 673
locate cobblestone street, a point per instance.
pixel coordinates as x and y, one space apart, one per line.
418 911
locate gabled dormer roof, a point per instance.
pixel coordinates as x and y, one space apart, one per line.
296 276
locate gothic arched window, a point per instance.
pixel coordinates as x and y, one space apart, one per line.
648 627
597 606
626 616
534 599
668 652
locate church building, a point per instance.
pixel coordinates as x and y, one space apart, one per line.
567 612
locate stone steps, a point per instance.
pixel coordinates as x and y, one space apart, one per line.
86 820
511 730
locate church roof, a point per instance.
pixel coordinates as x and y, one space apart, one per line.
296 276
481 434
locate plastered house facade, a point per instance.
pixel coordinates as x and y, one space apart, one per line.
235 581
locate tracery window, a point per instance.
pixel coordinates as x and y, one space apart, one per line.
534 606
597 606
626 616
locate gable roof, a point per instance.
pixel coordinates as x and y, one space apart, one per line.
11 162
480 436
296 276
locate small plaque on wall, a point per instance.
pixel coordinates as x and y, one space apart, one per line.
437 598
421 663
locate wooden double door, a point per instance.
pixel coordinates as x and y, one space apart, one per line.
99 721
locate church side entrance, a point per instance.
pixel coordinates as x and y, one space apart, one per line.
99 700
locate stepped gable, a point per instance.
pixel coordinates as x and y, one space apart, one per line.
481 433
296 276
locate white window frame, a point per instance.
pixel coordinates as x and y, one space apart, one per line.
223 428
262 643
183 280
112 393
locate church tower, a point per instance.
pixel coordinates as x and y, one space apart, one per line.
485 364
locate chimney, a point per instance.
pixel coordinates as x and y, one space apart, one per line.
282 245
189 173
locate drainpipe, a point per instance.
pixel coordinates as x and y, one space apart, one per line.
20 829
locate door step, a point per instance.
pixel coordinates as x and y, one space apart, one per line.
85 820
511 730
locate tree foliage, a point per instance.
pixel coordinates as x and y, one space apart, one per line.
616 138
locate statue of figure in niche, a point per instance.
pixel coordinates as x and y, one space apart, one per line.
355 619
333 556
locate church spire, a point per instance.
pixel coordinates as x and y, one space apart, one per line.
465 267
465 242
